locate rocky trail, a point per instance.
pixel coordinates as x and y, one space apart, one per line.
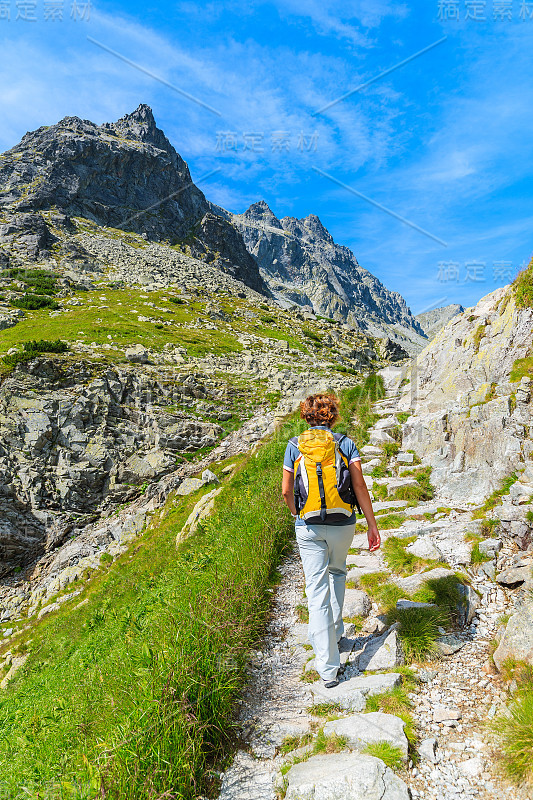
453 700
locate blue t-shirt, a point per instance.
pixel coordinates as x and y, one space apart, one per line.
347 448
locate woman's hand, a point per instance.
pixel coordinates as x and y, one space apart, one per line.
374 539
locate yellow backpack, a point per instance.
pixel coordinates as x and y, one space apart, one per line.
323 491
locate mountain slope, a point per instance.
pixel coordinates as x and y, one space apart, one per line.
122 174
302 264
432 321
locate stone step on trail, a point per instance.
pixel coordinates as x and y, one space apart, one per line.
344 776
351 694
360 730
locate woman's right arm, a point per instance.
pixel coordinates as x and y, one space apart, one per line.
287 490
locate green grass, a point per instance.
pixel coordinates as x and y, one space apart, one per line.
443 592
328 744
479 334
377 585
396 701
114 313
424 491
476 556
419 630
400 560
325 709
514 732
523 287
403 416
132 695
494 498
302 612
392 756
522 368
357 417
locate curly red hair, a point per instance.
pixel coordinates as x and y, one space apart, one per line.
320 409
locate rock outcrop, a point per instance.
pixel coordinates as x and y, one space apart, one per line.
471 423
302 265
432 321
122 174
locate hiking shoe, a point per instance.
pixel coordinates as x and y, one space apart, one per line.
331 684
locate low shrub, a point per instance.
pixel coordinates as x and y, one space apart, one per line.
33 302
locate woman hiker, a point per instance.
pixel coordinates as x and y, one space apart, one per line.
321 473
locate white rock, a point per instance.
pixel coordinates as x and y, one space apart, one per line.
382 652
362 729
344 776
428 750
352 694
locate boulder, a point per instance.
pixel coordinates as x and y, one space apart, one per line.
188 486
382 652
413 583
356 603
468 606
138 354
363 729
449 644
489 547
514 576
351 694
405 458
517 639
428 750
424 548
344 776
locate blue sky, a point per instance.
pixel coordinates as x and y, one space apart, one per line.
443 141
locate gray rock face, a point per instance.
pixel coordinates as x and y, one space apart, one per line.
517 639
70 440
302 264
122 174
432 321
344 776
470 423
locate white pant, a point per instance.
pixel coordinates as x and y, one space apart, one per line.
323 550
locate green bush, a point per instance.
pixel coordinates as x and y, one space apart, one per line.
39 280
445 593
45 346
33 302
311 335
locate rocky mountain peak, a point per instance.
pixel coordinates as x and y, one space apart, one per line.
261 212
141 125
313 224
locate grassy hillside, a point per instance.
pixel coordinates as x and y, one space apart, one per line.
131 694
129 689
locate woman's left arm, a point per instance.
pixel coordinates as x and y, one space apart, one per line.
361 490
